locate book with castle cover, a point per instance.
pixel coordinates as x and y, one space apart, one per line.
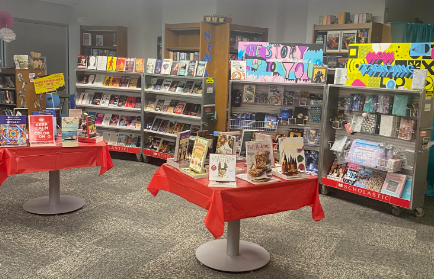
292 157
198 155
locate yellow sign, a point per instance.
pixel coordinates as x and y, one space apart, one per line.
49 83
210 80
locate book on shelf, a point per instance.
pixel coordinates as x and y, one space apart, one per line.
130 65
173 86
158 84
180 107
82 62
124 120
106 136
91 63
166 66
87 129
165 105
172 106
134 83
97 98
122 140
178 128
106 119
158 65
163 126
114 120
188 88
194 110
170 127
186 127
362 178
111 63
175 68
159 105
132 122
166 84
197 88
138 103
156 124
238 70
312 137
125 81
191 71
155 144
187 109
99 80
140 65
183 68
108 80
394 184
114 100
99 119
131 100
350 174
180 87
139 122
120 64
105 100
151 104
201 68
249 93
116 81
152 83
113 138
150 66
275 95
122 101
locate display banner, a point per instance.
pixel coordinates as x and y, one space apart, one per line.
49 83
389 65
290 63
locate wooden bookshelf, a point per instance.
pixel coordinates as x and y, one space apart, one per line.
190 37
375 31
115 38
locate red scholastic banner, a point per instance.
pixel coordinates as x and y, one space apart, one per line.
41 131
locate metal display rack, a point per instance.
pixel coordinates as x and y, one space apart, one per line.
420 144
206 100
312 88
137 92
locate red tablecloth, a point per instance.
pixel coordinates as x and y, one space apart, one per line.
247 200
18 160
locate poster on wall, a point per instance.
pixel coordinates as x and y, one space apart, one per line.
289 63
389 65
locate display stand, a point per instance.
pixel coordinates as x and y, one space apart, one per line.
138 92
54 203
422 135
232 254
313 88
206 101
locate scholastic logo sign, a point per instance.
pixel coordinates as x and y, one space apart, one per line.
364 192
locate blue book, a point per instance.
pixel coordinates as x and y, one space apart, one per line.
363 178
406 193
13 131
285 114
158 66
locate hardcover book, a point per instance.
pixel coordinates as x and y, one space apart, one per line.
120 64
150 66
198 156
249 93
41 130
70 131
222 170
258 160
111 63
181 147
140 65
292 158
247 135
166 66
226 144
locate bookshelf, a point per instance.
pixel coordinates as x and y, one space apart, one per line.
115 38
212 41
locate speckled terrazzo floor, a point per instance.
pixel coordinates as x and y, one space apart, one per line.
124 232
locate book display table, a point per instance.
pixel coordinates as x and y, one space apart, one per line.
233 204
19 160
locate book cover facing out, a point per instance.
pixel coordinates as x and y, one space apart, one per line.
13 130
198 155
222 167
41 131
69 131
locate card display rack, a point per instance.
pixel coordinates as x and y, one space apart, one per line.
262 105
419 144
135 92
206 100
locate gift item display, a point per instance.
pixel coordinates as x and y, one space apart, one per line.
374 156
280 110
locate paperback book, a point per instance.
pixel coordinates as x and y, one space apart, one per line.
13 130
222 170
69 132
181 148
41 130
198 156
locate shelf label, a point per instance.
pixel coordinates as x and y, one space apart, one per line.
210 80
428 95
427 107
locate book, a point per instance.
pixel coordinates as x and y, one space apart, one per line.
99 80
97 98
165 146
275 94
175 68
311 158
82 62
156 124
180 107
120 64
258 160
181 146
170 127
172 106
125 81
152 84
173 86
351 173
111 63
158 84
135 141
150 66
186 127
159 105
130 64
122 101
201 68
284 115
114 120
41 130
226 144
131 100
105 100
188 88
191 71
238 70
99 119
301 115
406 129
292 157
363 178
187 109
333 41
166 84
178 128
166 66
197 88
113 139
114 100
139 122
83 99
194 110
91 63
312 137
376 181
406 192
13 130
106 119
151 104
106 136
116 81
200 149
158 65
149 120
163 126
122 140
247 135
134 83
108 81
401 104
140 65
70 131
180 87
222 170
394 184
183 68
165 105
138 103
249 93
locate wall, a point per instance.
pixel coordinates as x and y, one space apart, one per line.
404 10
296 15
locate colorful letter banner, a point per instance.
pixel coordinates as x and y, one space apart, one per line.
290 63
389 65
49 83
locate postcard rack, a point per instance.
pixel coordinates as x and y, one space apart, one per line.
417 144
237 114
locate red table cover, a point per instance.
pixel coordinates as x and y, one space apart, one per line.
18 160
247 200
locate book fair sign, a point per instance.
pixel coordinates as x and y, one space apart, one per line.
50 83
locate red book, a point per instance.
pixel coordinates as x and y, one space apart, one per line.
41 130
180 107
116 81
130 102
120 64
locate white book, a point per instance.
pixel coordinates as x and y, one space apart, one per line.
106 119
419 79
201 68
150 66
99 80
106 136
105 100
92 62
82 99
113 139
222 167
85 99
101 63
166 66
341 76
89 102
275 94
238 70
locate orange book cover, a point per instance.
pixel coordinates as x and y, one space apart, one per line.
120 64
116 81
140 65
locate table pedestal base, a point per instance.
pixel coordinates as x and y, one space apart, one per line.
231 254
54 203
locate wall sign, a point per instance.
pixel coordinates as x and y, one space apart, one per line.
49 83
